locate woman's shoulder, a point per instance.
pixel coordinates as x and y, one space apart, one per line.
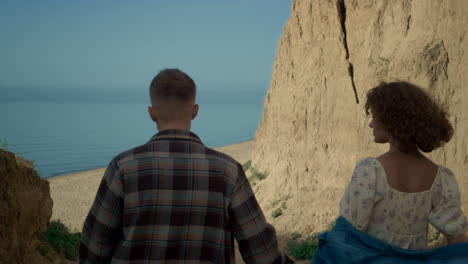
368 167
445 172
445 179
368 162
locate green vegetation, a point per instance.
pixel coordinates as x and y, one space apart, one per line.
58 237
277 212
302 248
247 165
280 198
296 235
283 205
305 248
255 175
4 144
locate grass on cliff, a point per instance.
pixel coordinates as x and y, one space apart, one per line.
302 248
281 201
247 165
255 175
58 237
305 248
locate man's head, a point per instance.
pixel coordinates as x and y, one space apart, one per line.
172 94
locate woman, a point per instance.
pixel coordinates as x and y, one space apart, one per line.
395 196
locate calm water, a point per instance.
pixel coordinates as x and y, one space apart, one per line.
68 137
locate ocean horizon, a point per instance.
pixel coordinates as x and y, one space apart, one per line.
67 137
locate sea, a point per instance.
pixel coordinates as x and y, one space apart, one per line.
66 137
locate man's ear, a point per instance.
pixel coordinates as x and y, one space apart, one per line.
152 114
195 111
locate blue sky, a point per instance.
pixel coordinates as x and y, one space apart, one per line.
58 49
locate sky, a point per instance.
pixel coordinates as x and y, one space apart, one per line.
93 50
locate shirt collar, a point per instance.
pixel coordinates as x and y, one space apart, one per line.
176 134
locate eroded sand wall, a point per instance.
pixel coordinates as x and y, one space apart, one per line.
314 129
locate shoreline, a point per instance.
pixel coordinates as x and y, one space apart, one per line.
221 148
73 193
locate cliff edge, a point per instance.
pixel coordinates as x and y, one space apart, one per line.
25 210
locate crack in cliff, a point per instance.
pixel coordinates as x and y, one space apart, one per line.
408 24
341 7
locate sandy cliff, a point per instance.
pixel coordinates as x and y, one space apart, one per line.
25 210
314 129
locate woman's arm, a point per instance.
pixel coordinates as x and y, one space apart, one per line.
447 215
358 201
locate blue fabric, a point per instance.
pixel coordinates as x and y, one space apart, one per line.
346 244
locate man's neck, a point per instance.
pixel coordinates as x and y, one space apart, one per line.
174 125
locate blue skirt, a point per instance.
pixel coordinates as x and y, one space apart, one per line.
346 244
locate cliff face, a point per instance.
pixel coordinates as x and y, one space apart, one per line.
25 210
314 128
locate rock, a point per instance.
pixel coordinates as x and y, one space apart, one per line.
314 128
25 210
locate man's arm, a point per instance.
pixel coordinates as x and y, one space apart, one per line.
102 227
256 238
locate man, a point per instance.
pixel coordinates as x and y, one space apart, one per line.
173 199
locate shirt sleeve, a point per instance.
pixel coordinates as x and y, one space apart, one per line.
360 195
447 215
102 227
256 238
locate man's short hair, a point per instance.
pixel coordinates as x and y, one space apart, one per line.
172 85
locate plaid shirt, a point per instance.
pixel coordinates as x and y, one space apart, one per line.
175 200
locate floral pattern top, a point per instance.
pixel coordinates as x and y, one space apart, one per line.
401 218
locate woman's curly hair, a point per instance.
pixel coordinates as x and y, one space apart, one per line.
409 115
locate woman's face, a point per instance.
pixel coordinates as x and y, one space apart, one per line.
380 135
